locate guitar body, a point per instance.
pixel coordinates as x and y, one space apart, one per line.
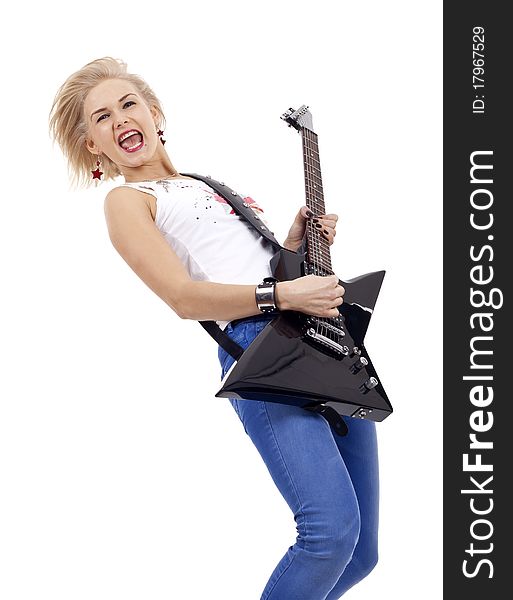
298 361
319 364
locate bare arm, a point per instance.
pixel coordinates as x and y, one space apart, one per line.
137 239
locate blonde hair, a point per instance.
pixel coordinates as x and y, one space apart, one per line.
68 124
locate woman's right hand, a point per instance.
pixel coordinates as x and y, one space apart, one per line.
312 294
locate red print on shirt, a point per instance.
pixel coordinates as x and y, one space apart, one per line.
247 199
221 200
252 203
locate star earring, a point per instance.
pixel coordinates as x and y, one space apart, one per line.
160 133
97 174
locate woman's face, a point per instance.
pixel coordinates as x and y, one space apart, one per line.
122 109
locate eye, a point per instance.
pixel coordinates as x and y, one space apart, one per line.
100 118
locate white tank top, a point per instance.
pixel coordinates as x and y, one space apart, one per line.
211 240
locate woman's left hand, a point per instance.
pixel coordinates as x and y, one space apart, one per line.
326 225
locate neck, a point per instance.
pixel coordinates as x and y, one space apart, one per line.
159 167
318 249
164 176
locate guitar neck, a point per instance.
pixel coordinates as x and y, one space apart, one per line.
318 249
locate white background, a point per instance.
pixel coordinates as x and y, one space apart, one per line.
122 476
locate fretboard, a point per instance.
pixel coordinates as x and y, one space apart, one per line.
318 250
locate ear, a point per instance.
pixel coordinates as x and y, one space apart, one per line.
91 146
155 114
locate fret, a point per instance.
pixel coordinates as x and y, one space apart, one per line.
318 250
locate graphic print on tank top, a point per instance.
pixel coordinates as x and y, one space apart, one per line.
248 199
209 194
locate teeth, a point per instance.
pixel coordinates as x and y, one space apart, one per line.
127 134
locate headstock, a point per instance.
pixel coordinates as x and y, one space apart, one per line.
299 119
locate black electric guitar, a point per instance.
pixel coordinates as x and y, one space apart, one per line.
319 364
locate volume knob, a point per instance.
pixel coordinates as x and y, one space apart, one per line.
372 382
358 365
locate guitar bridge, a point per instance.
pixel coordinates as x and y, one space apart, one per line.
337 349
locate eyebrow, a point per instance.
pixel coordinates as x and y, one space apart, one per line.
120 100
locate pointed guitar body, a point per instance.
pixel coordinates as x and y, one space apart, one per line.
319 364
287 364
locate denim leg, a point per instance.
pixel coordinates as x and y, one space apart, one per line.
334 502
360 455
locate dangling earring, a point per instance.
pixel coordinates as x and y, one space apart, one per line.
161 133
97 174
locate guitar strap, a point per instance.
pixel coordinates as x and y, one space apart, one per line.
244 210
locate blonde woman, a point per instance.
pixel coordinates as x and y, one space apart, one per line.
205 265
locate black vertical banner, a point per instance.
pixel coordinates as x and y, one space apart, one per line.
478 266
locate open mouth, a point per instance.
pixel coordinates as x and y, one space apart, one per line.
132 141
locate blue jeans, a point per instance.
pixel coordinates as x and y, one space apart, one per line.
331 484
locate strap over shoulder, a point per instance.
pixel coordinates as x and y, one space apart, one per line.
241 207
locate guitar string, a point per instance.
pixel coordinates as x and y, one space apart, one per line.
316 197
316 209
323 252
324 248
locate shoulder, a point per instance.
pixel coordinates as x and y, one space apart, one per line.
127 191
127 197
